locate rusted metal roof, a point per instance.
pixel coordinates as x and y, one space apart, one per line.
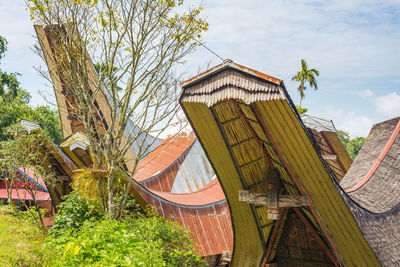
231 64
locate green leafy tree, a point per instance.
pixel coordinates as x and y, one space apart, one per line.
107 74
305 75
352 145
301 110
3 46
24 152
14 105
139 44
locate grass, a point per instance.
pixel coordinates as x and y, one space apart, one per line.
20 239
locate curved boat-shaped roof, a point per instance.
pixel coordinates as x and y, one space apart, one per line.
178 165
163 156
249 127
206 214
373 181
373 190
210 194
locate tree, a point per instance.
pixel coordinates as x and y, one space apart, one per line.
139 43
14 105
352 145
23 152
303 76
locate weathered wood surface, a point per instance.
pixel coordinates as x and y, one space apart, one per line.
329 157
262 199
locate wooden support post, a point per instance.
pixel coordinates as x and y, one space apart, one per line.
273 191
226 258
284 201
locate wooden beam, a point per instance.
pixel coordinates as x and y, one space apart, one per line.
226 258
329 157
284 201
252 162
273 192
63 178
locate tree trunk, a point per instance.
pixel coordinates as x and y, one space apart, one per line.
110 208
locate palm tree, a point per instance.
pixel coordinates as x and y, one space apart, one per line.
303 76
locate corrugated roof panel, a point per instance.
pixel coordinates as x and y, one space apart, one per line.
318 123
195 171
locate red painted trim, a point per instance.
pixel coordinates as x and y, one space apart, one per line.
278 225
379 160
297 183
316 236
252 131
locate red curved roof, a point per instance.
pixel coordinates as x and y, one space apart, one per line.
204 212
207 195
163 156
206 217
25 194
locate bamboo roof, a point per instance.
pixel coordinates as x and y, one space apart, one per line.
245 136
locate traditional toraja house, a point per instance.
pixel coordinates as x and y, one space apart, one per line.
54 160
179 166
25 188
259 147
255 140
330 147
372 187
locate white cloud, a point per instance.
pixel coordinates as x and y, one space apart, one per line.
366 94
355 124
388 104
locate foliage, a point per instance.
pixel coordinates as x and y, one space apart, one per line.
352 145
301 110
105 73
74 211
173 239
3 46
20 239
81 239
102 243
24 151
139 44
303 76
14 105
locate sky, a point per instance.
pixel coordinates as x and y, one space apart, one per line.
355 44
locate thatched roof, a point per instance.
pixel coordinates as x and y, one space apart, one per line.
373 190
248 135
373 181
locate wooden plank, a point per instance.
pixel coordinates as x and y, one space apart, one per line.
283 201
329 157
331 207
273 191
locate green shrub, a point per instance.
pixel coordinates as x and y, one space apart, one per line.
74 211
102 243
81 239
171 238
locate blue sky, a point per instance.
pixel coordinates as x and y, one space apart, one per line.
355 44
